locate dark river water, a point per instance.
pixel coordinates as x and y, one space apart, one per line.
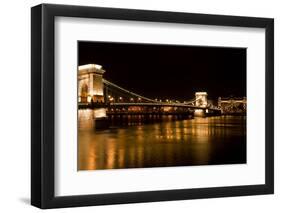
198 141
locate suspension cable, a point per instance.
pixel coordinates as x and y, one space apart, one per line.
137 95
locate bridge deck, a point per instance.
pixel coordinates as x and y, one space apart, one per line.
147 113
163 104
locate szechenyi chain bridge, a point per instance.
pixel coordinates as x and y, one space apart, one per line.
96 92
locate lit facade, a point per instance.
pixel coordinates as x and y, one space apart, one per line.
90 83
232 105
201 99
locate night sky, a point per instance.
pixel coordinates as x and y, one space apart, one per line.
169 71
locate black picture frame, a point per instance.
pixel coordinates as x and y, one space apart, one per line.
43 110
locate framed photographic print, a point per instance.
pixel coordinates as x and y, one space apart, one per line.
139 106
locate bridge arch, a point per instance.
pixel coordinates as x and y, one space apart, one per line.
83 90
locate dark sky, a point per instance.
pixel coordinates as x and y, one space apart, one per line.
169 71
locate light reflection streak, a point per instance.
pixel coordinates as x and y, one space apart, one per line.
169 143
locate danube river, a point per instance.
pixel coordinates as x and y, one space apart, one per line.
198 141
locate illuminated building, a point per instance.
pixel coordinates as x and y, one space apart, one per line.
232 105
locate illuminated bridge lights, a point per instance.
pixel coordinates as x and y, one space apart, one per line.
94 89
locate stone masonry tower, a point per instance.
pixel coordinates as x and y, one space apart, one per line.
90 84
201 99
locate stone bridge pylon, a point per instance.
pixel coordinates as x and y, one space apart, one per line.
201 101
90 83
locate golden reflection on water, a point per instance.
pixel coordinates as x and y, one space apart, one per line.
199 141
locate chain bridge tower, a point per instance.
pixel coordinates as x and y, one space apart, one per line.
90 83
201 100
